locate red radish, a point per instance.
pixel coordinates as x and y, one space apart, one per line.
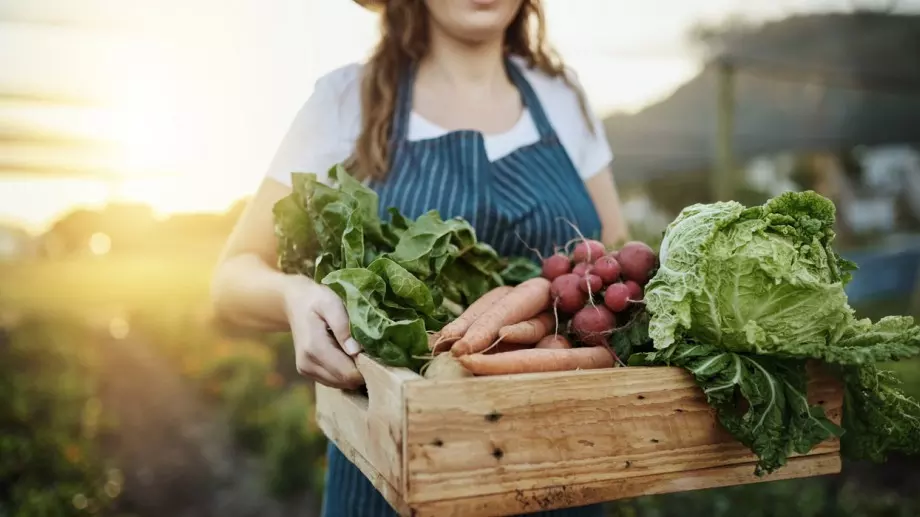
591 284
635 290
637 260
556 265
616 297
607 268
592 325
588 251
566 294
582 268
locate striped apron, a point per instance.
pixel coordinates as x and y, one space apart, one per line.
520 203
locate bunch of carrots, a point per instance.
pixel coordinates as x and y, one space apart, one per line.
558 321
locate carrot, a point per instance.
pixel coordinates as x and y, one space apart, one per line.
524 302
554 341
538 360
503 347
530 331
456 328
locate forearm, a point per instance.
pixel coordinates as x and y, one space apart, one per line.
248 292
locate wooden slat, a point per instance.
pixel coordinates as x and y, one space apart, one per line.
370 430
566 496
486 436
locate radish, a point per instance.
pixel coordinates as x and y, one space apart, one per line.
566 293
635 290
582 268
591 283
592 325
588 251
637 260
607 268
616 297
556 266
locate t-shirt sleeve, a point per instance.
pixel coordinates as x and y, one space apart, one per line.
314 141
594 153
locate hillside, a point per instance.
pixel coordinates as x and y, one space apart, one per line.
811 82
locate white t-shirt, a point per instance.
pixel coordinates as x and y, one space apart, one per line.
326 128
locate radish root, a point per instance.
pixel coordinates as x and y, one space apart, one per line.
528 246
581 235
493 345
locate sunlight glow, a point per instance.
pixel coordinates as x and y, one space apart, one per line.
100 243
119 328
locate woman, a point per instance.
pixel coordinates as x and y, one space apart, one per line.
461 108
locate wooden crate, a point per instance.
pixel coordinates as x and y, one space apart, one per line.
509 445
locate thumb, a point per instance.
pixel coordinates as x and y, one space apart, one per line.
336 318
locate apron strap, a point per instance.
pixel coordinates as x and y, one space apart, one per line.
403 108
531 101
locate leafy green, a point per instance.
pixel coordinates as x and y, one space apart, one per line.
744 297
399 279
759 280
519 270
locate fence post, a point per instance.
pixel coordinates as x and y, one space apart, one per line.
723 176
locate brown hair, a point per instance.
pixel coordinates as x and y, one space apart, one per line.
404 41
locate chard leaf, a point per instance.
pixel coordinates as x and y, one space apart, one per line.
366 203
425 247
630 336
325 264
404 286
891 338
879 418
394 342
518 270
353 241
296 242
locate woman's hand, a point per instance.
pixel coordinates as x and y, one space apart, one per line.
323 344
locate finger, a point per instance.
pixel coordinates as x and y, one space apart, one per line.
336 317
319 357
317 373
326 352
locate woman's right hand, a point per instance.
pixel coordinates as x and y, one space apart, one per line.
323 346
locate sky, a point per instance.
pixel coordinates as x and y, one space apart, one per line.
187 99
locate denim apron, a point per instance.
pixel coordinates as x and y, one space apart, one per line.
519 203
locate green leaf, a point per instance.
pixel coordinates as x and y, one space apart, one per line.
394 342
892 338
325 264
631 335
426 247
879 418
519 269
296 242
366 203
353 241
403 285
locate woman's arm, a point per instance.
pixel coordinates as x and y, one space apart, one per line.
603 192
248 290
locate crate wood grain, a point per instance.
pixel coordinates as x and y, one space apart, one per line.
506 445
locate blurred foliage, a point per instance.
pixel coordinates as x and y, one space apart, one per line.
270 412
52 424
